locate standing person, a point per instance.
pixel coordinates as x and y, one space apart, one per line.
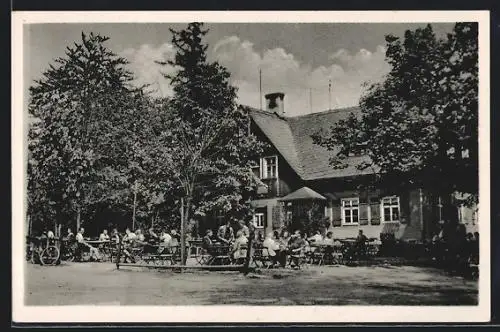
225 234
360 243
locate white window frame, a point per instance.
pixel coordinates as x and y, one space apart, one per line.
263 167
391 205
259 217
344 208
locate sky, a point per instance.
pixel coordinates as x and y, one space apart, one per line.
297 59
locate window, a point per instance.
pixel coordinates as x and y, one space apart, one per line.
390 209
258 220
269 167
350 211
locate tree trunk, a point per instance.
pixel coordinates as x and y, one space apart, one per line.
78 219
134 206
30 225
248 259
183 246
185 208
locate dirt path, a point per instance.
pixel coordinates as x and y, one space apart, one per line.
102 284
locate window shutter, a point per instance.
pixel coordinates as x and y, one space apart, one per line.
277 216
363 213
375 211
336 214
404 208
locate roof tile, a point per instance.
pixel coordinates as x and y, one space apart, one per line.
292 138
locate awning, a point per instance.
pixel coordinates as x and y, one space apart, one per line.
303 193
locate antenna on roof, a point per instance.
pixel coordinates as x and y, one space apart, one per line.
329 94
260 88
310 100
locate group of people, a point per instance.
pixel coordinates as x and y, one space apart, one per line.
281 245
237 243
455 247
129 239
278 245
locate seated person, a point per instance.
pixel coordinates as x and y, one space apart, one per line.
115 236
273 249
239 246
83 246
296 246
69 237
207 242
140 236
151 236
151 240
104 237
129 237
225 234
284 240
297 241
165 238
316 239
175 238
50 237
328 241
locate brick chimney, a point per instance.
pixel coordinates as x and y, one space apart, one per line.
275 103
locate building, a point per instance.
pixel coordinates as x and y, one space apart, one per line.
299 181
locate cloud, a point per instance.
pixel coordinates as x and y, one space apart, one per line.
146 70
281 72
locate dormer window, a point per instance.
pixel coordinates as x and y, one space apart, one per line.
269 167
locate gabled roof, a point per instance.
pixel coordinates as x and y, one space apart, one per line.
292 138
279 133
302 194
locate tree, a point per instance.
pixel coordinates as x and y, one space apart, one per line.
419 126
209 148
79 144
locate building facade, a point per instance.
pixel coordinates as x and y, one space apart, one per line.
299 179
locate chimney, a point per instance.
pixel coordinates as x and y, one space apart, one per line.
275 103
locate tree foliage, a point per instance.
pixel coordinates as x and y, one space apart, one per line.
208 145
420 125
88 125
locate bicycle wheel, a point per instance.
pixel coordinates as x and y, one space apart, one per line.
49 256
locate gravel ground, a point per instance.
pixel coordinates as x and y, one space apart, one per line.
102 284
